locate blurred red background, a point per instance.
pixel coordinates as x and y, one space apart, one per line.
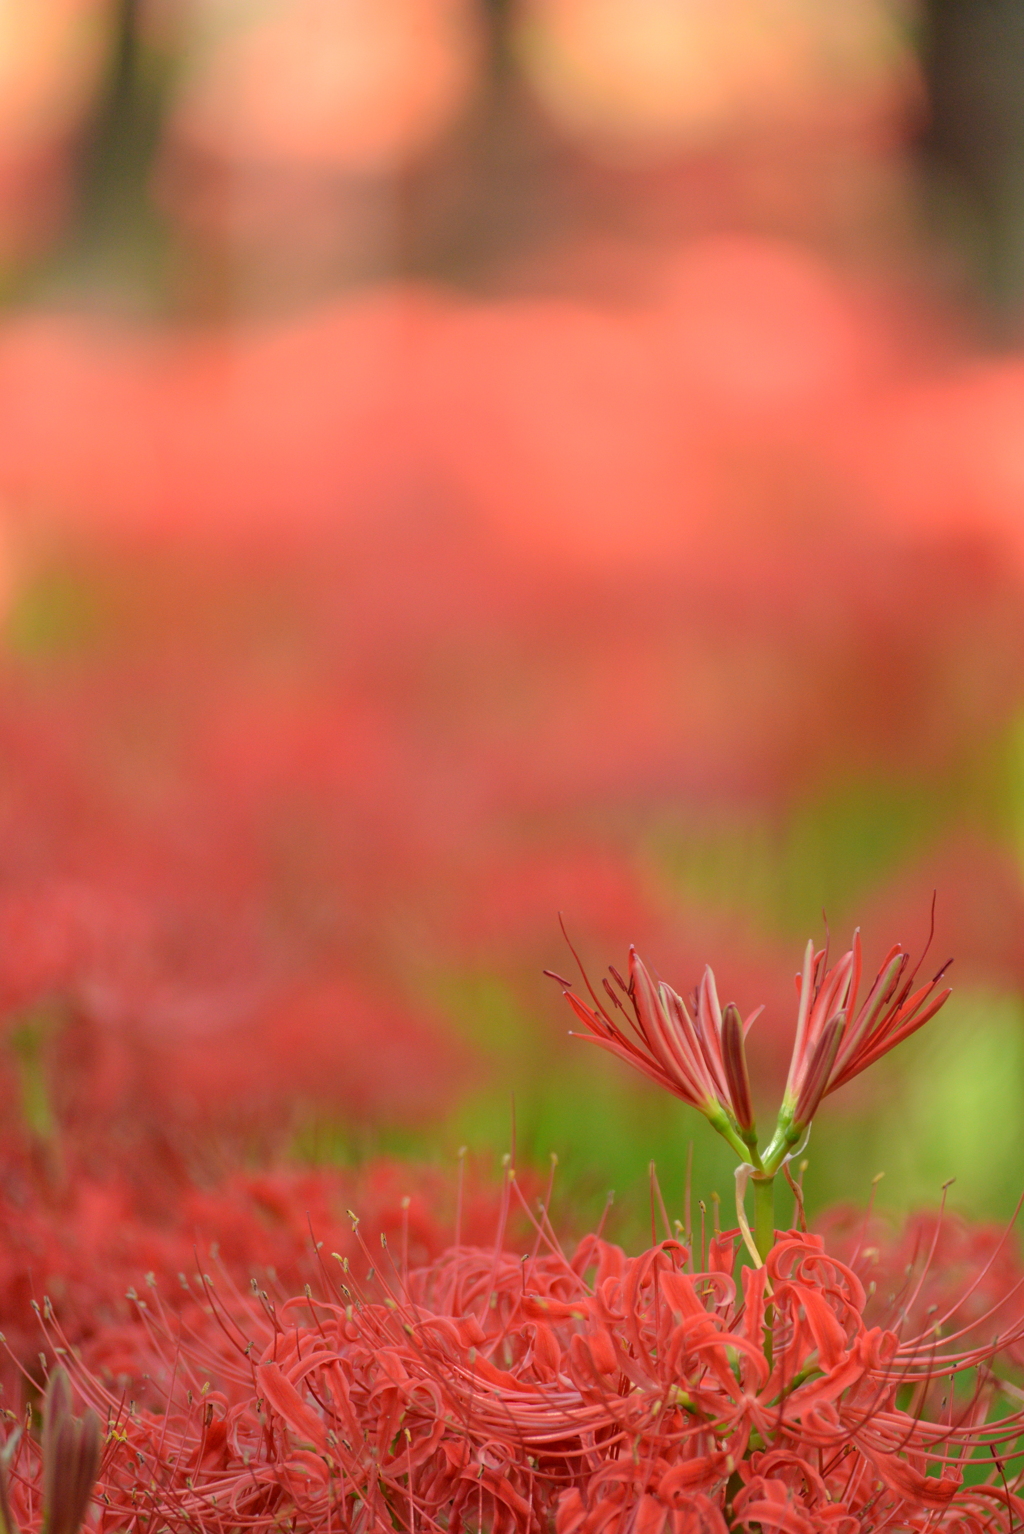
458 466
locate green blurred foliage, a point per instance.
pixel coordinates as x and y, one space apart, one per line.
834 849
55 614
950 1105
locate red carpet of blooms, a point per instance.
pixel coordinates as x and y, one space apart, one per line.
533 1388
288 1376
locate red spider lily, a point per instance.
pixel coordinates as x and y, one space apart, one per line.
835 1038
932 1264
525 1394
87 1246
699 1058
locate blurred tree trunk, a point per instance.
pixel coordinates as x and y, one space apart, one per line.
973 54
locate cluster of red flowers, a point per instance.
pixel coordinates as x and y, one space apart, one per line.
507 1390
518 1387
81 1244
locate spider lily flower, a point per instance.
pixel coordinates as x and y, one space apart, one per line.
838 1034
699 1057
570 1392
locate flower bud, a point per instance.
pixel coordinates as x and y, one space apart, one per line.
734 1062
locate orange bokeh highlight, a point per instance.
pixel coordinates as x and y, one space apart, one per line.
650 76
358 86
52 54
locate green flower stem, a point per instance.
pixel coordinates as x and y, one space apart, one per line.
787 1135
764 1240
764 1215
729 1132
